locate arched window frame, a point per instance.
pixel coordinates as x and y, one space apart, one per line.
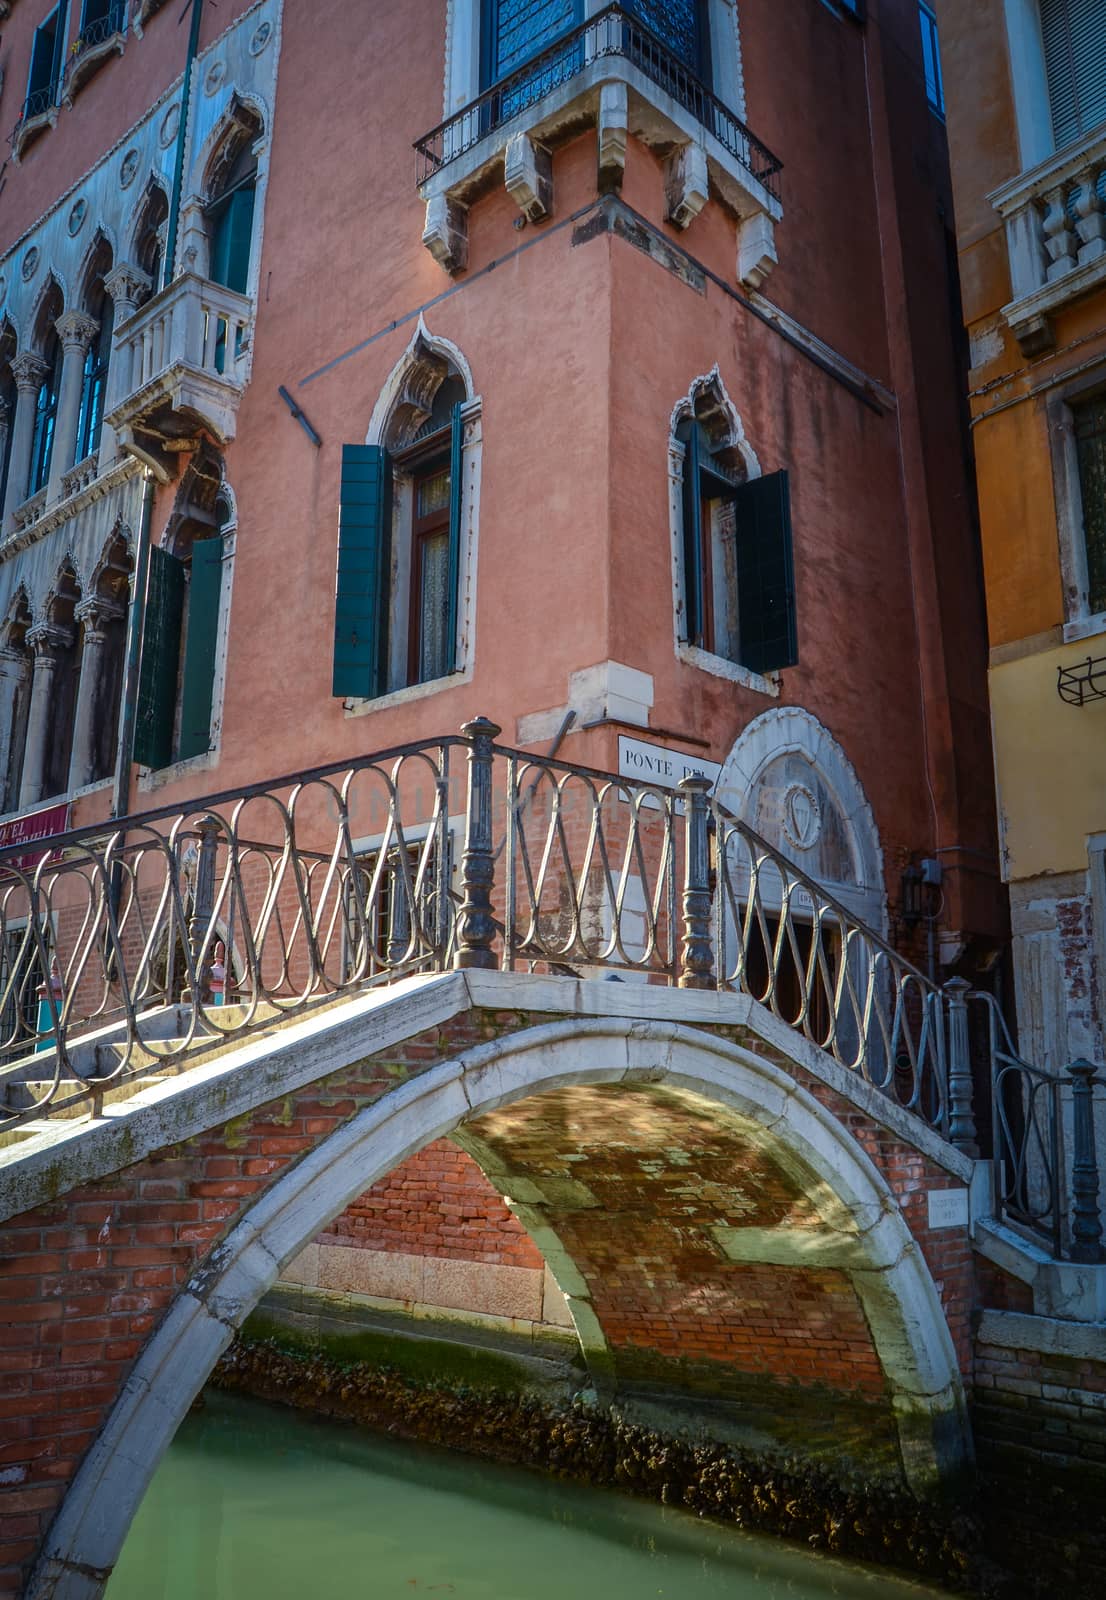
46 416
403 448
708 551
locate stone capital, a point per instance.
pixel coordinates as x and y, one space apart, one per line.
127 284
76 330
95 612
28 370
47 639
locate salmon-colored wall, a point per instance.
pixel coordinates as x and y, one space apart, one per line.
579 352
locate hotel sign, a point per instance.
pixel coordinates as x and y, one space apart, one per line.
31 830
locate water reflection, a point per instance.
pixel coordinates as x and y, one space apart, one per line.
258 1503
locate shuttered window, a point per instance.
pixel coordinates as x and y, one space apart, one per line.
157 684
368 614
739 586
360 592
1074 33
765 574
201 638
47 54
179 649
1090 437
231 220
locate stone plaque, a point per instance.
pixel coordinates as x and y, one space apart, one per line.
948 1208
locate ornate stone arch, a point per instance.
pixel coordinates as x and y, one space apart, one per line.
94 263
40 322
407 398
244 121
789 779
710 405
140 218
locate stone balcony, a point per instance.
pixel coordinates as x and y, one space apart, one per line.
613 74
182 368
1055 217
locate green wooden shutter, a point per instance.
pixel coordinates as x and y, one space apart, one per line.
201 637
157 683
765 574
693 542
360 593
230 247
453 595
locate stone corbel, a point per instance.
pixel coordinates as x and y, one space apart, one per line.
1035 335
614 122
528 176
446 233
756 249
686 187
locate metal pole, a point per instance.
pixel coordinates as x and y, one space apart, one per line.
962 1130
475 922
1086 1217
697 966
182 141
120 794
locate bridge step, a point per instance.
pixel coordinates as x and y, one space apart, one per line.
111 1094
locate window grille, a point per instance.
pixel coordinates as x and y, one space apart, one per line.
1090 439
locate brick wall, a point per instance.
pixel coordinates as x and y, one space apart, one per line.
438 1203
1039 1418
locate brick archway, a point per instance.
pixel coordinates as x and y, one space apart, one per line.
860 1216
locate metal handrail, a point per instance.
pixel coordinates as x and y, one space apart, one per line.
99 32
612 32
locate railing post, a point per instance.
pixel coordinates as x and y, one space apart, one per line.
962 1132
1086 1218
475 923
697 952
203 903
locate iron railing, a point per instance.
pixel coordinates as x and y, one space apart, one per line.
94 34
611 33
129 947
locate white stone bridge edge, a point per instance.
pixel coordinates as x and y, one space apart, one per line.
864 1228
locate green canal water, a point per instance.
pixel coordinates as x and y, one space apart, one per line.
258 1503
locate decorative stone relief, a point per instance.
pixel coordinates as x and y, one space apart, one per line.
215 75
30 264
261 36
686 186
801 816
528 176
756 250
128 167
77 216
445 233
614 118
169 125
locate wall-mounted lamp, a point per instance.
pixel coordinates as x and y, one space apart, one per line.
920 891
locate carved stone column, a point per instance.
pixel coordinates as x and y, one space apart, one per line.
5 424
94 613
28 371
46 641
15 667
76 330
127 287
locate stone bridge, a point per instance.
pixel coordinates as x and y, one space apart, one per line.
731 1214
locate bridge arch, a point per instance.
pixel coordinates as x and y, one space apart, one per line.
861 1227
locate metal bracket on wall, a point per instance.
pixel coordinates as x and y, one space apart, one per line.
1084 681
299 416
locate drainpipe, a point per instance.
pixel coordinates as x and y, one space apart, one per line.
182 140
120 794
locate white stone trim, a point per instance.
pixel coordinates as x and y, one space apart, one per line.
1028 83
894 1284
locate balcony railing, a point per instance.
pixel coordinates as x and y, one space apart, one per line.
97 41
181 357
1055 220
612 34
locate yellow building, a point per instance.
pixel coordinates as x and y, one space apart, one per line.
1025 90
